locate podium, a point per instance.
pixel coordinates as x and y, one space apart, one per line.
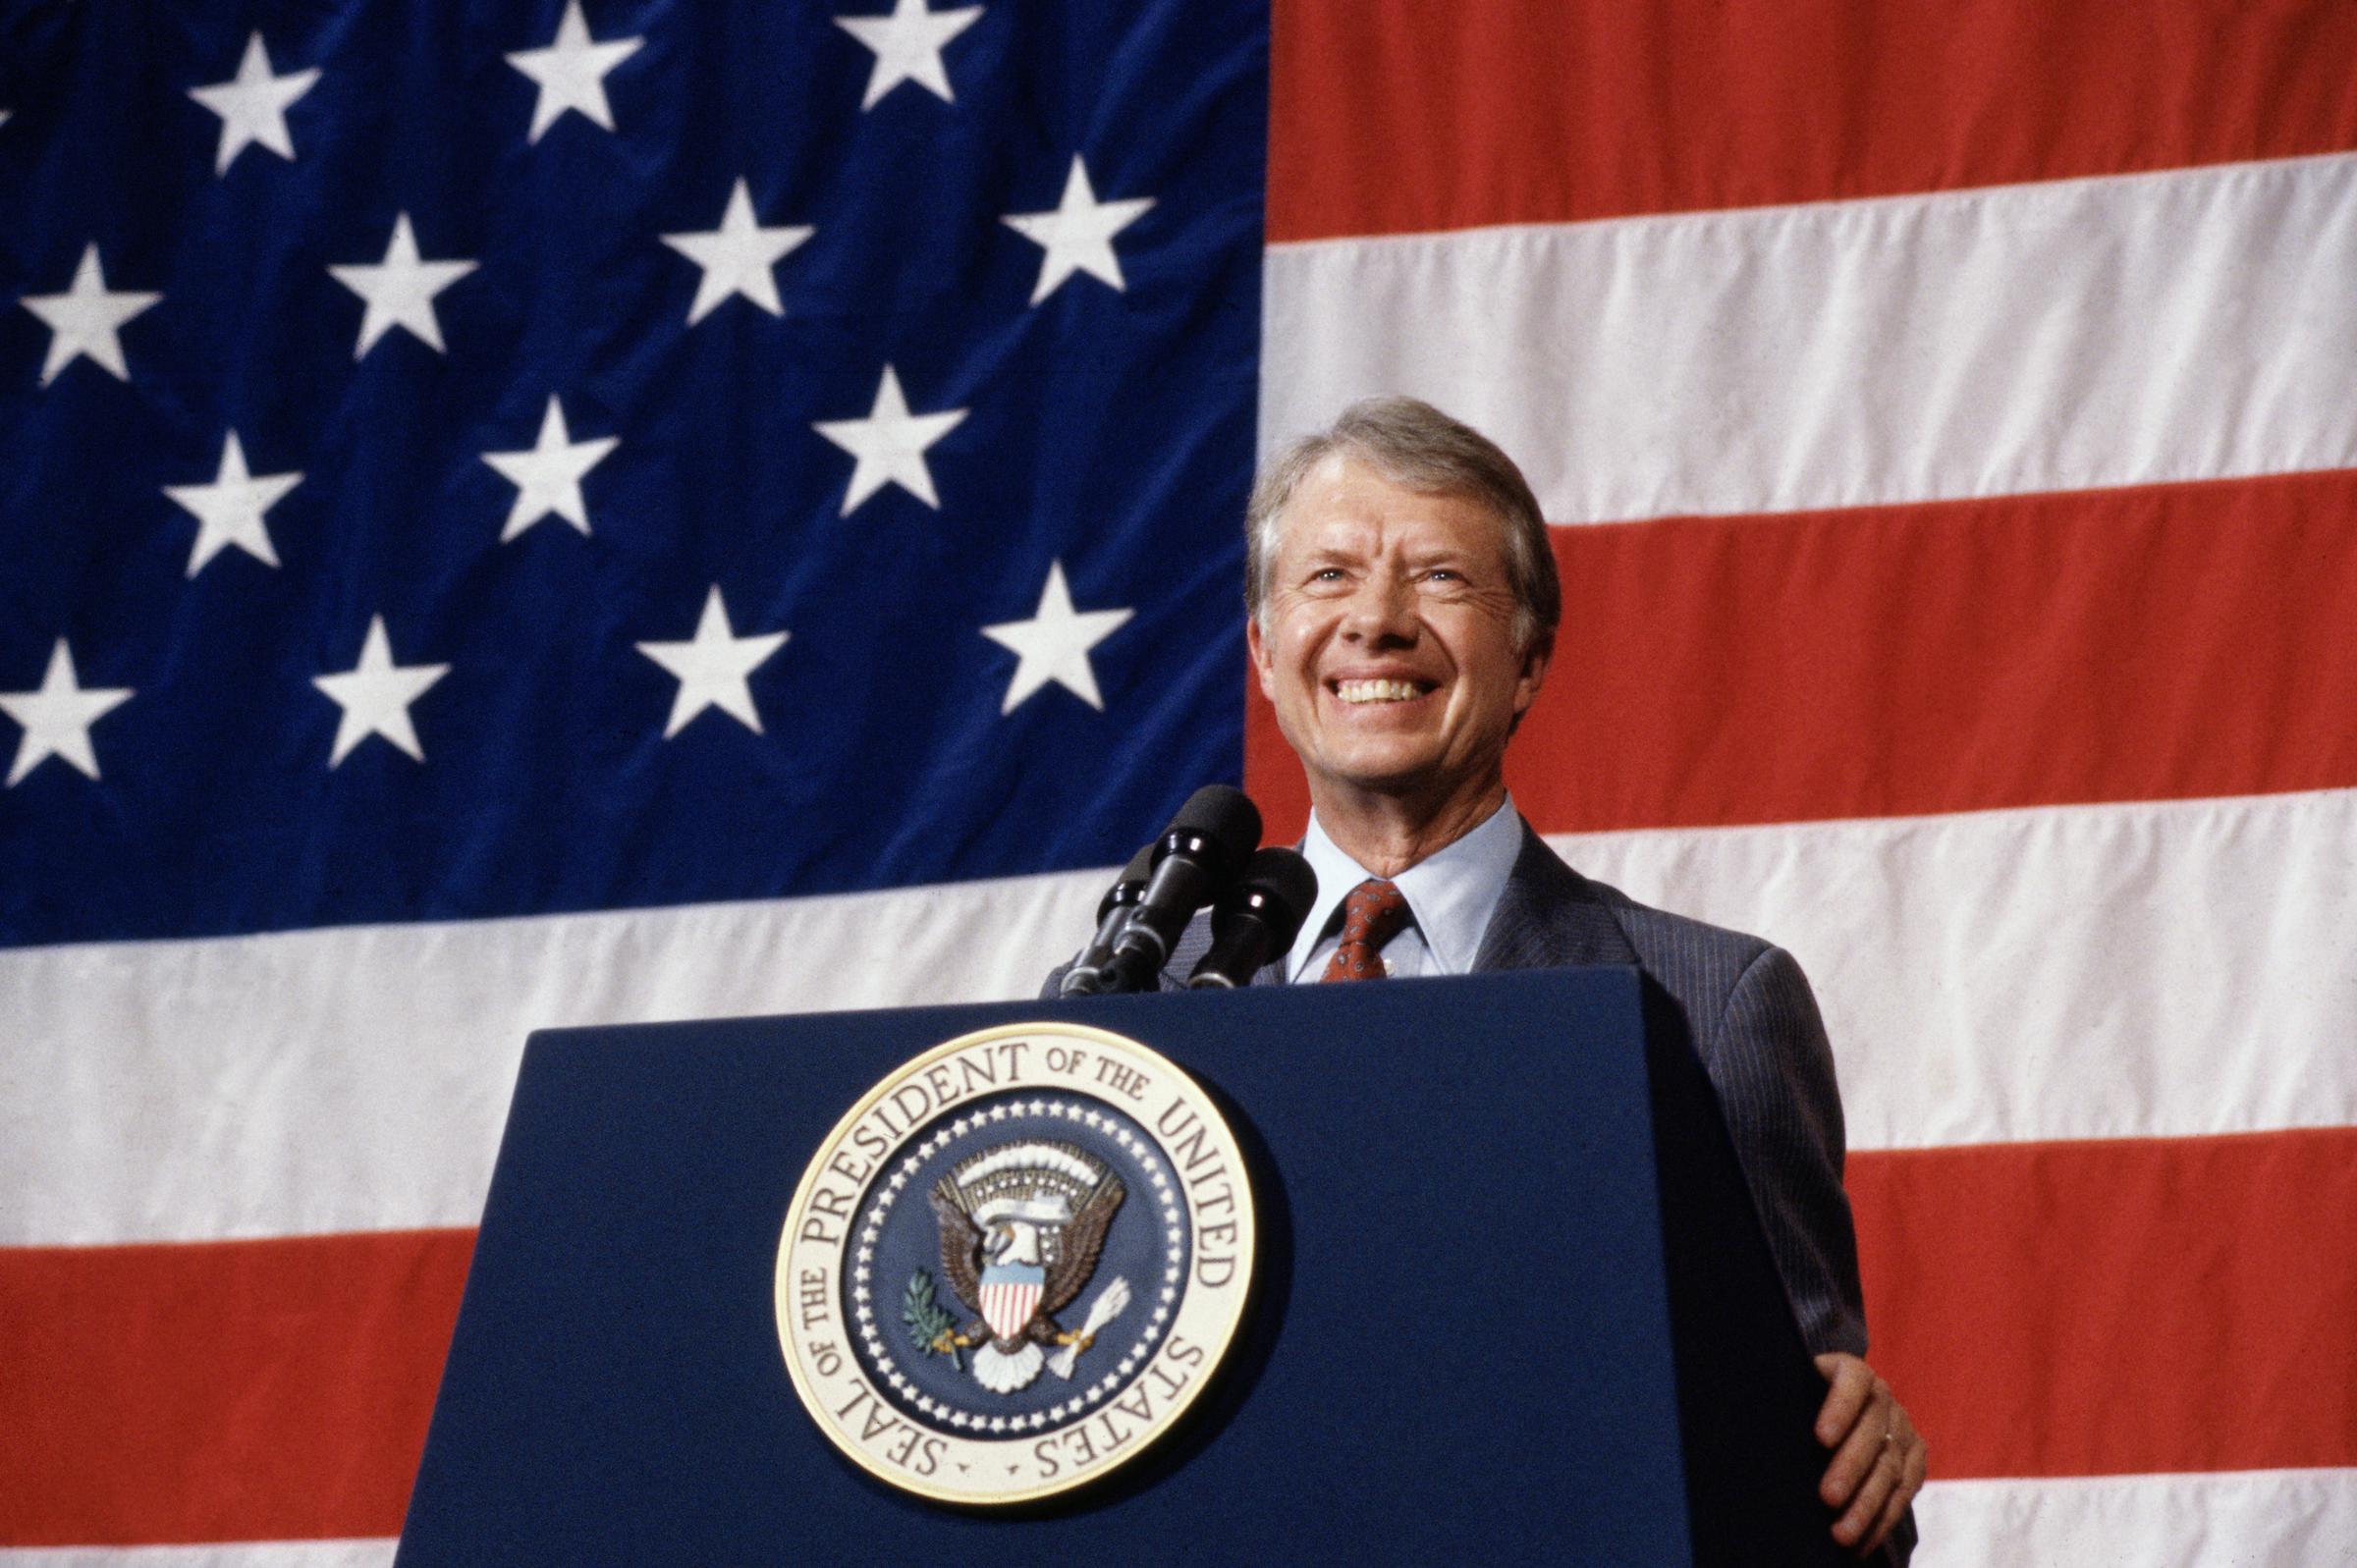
1510 1301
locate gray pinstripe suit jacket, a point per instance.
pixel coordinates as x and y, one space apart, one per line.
1754 1024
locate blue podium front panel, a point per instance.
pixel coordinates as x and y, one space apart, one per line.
1460 1343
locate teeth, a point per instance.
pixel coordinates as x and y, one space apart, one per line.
1377 690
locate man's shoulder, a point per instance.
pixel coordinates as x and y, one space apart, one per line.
1699 963
1658 933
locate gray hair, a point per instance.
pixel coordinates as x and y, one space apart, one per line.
1412 442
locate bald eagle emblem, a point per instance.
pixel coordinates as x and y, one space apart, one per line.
1021 1229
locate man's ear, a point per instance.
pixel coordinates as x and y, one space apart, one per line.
1535 660
1262 664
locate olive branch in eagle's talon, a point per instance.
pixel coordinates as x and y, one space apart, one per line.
934 1330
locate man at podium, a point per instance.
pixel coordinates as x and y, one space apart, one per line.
1402 600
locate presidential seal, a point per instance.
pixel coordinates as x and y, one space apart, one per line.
1014 1264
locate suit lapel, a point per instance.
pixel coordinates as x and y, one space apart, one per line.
1550 916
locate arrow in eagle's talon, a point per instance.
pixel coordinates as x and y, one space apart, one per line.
1109 1306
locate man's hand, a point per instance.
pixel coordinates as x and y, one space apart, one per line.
1878 1455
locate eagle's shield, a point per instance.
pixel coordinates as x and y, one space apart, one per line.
1010 1296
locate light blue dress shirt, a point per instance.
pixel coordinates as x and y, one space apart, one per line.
1450 896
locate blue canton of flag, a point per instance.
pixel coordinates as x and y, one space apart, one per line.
473 460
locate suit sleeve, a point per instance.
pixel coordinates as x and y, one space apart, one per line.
1775 1078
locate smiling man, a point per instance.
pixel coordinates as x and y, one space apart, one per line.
1403 602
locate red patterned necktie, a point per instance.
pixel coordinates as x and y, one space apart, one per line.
1372 914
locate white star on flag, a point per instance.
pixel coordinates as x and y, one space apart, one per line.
375 696
736 257
228 510
908 46
87 319
399 289
1054 645
1078 237
252 105
890 444
57 718
572 72
712 668
548 477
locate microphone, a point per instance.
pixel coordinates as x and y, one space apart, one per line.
1087 972
1257 919
1195 857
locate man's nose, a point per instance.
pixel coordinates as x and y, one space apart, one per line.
1382 611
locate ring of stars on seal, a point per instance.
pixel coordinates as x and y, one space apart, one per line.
871 1326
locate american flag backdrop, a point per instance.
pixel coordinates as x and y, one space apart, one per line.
553 511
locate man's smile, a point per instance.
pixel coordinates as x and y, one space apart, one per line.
1361 690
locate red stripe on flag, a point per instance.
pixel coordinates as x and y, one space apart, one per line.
2117 1307
2161 643
2045 1309
1401 118
239 1390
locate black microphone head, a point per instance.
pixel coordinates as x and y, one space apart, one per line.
1278 885
1131 885
1194 860
1256 919
1227 817
1284 875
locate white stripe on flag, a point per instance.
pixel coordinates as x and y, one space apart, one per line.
2111 971
368 1553
2238 1518
2137 970
357 1078
2122 330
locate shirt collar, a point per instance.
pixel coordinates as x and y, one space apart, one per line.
1452 892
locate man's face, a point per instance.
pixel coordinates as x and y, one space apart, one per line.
1390 645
